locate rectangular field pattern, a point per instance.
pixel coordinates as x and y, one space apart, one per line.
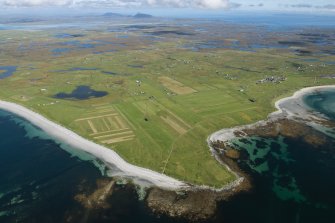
106 125
175 86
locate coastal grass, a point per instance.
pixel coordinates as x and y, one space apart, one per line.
159 115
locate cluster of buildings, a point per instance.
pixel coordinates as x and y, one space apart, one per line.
272 79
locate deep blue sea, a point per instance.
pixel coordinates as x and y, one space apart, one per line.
39 179
293 181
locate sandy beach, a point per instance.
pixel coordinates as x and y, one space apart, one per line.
289 107
139 175
145 176
296 98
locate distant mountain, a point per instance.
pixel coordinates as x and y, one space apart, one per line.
112 14
142 16
118 15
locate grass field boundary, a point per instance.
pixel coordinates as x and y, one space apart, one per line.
116 130
125 118
105 123
100 111
240 110
100 105
92 126
176 86
120 139
111 135
174 125
120 122
162 107
95 117
179 119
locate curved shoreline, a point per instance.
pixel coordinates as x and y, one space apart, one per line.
227 134
224 135
119 167
139 175
297 95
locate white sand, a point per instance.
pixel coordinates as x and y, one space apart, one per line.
292 110
108 156
298 110
289 107
138 174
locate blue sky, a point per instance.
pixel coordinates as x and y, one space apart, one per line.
260 5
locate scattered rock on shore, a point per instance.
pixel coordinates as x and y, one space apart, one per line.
193 205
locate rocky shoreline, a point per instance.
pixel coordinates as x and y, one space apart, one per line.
285 127
196 203
200 204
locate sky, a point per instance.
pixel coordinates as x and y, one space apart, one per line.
217 5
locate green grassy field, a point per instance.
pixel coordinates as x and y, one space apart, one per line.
183 97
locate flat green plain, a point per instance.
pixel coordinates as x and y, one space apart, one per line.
159 115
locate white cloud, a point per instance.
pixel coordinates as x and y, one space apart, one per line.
210 4
213 4
30 3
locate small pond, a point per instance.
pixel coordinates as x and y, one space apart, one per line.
7 71
82 92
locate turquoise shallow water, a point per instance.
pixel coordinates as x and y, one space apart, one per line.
293 181
40 178
322 102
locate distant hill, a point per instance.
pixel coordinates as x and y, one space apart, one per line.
118 15
112 14
142 16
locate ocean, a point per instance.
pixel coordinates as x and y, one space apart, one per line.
293 181
41 178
